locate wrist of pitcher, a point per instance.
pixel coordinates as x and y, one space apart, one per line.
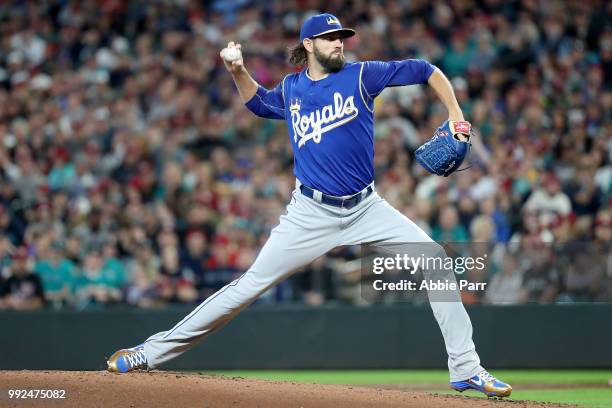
455 115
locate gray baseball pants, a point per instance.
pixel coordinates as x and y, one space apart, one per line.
307 231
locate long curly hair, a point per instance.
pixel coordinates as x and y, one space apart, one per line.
298 55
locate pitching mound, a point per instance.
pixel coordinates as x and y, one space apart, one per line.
166 389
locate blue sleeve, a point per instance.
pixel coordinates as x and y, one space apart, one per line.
268 103
377 75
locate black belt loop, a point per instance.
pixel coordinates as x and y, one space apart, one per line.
347 203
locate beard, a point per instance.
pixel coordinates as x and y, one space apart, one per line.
332 63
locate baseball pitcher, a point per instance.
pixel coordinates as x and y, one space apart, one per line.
328 108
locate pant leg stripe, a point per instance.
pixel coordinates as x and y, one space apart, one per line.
234 283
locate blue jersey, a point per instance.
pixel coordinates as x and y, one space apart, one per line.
331 121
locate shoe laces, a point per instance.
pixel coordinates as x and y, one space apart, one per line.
484 374
136 358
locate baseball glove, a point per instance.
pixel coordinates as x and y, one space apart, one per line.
446 150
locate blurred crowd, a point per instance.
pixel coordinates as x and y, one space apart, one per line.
131 173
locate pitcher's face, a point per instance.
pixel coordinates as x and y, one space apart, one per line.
329 51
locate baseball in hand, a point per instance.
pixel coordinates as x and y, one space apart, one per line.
230 54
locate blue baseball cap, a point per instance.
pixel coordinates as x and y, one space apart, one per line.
323 24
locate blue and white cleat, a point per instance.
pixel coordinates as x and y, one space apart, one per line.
126 360
485 383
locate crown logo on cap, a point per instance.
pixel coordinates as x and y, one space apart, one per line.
332 21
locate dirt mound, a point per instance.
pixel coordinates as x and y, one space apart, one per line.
167 389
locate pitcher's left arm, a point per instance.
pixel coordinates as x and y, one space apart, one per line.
443 88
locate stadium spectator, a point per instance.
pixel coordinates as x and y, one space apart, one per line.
194 260
57 274
100 282
111 137
505 286
448 228
22 290
583 273
549 200
142 290
315 284
542 278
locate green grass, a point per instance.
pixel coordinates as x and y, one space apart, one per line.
364 377
586 397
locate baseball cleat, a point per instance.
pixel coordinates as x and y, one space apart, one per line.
126 360
485 383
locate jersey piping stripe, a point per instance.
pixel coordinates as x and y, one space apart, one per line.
314 80
282 110
196 310
361 91
283 89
